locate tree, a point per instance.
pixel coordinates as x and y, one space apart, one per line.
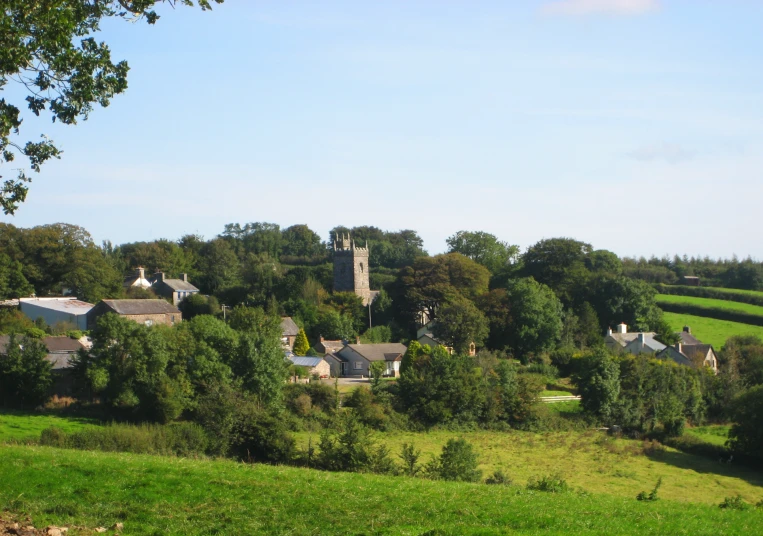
25 374
301 345
301 241
198 304
536 318
483 248
48 48
559 263
13 284
746 435
598 381
458 462
621 299
459 324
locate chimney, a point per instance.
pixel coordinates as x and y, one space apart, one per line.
357 340
184 277
141 272
622 328
678 347
609 331
159 277
641 339
687 329
320 338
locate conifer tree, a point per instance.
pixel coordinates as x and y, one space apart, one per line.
301 346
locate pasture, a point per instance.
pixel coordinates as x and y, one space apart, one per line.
26 426
711 303
164 495
711 330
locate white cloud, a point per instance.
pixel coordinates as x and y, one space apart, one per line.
591 7
671 153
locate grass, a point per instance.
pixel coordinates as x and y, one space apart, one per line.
710 302
711 330
157 495
735 291
556 393
715 434
591 461
566 407
23 426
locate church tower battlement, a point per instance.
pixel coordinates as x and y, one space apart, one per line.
351 268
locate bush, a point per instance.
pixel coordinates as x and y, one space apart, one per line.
746 435
652 495
349 447
410 458
735 503
260 436
544 369
550 483
53 436
362 400
458 462
498 478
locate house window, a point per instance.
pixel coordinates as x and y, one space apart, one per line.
172 319
358 365
149 323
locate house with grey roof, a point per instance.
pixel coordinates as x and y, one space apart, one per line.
66 310
175 289
137 279
686 336
314 365
691 355
61 351
325 346
148 312
632 342
289 332
357 358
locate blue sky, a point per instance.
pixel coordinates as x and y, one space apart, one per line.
634 125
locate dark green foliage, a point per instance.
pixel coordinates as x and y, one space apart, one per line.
536 316
498 478
616 299
260 436
377 334
460 324
409 456
742 359
197 304
368 411
14 321
25 375
549 483
483 248
457 462
349 447
180 439
652 495
746 435
735 503
13 284
598 381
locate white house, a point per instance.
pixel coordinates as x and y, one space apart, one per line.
357 358
640 342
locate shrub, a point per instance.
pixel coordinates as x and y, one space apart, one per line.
362 400
350 448
53 436
546 370
652 495
410 458
735 503
498 478
550 483
260 436
746 435
458 462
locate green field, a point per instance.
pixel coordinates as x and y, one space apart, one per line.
715 434
156 495
21 426
592 461
711 330
709 302
556 393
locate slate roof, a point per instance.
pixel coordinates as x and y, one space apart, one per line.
688 338
692 355
649 342
625 338
60 349
389 351
306 361
289 328
179 284
141 307
329 346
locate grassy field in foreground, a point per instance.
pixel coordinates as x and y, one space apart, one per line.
21 426
155 495
711 330
591 461
710 302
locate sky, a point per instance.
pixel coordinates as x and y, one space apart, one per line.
633 125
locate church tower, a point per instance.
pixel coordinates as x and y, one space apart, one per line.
351 268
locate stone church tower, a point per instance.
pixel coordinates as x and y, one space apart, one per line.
351 268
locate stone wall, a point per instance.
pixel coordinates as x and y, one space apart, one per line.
351 271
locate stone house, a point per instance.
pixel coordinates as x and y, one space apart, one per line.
176 289
325 346
357 358
57 310
137 279
289 332
148 312
315 365
691 355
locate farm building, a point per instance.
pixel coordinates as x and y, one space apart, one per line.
61 350
315 365
57 311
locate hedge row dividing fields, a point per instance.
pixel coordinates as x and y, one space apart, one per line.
744 313
727 294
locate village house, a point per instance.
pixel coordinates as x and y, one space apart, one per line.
356 359
177 289
325 346
317 366
137 280
289 332
691 355
61 350
61 311
148 312
633 342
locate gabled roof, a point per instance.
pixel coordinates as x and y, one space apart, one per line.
625 338
688 338
289 328
389 351
60 349
691 355
649 342
178 284
64 305
141 307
